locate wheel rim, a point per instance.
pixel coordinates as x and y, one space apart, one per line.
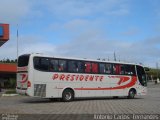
132 94
68 96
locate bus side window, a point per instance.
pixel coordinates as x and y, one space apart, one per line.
105 68
80 66
54 65
36 63
108 68
41 64
62 66
122 69
45 64
102 68
72 66
87 67
94 68
116 69
130 70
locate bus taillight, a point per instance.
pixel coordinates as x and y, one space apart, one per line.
28 84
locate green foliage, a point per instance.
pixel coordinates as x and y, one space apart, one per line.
12 83
154 73
8 61
11 91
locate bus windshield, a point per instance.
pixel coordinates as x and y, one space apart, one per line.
141 76
23 60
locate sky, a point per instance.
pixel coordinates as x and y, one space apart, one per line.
84 29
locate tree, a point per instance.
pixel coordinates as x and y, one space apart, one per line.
8 60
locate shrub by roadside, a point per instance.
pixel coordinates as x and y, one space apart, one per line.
11 91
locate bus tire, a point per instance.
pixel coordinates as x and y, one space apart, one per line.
51 99
115 97
68 95
131 93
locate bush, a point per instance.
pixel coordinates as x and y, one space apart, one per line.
12 91
12 83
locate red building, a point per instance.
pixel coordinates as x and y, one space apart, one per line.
7 71
4 33
7 74
8 68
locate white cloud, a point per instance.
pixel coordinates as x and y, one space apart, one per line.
85 22
93 44
41 47
27 44
130 32
73 8
89 44
76 24
13 11
35 44
8 50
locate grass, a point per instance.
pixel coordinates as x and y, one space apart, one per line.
11 91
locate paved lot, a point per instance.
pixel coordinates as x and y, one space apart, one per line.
149 104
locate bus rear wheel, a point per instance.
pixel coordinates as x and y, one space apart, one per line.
68 95
131 94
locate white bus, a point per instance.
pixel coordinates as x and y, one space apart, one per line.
68 78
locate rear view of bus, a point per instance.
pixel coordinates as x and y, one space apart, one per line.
23 83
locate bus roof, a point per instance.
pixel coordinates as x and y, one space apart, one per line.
81 59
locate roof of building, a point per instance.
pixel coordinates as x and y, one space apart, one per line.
9 68
4 33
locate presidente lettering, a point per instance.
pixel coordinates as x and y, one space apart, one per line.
73 77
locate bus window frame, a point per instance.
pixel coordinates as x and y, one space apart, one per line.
77 62
38 68
114 73
25 55
83 62
105 73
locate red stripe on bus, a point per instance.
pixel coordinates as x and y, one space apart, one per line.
123 79
24 78
132 83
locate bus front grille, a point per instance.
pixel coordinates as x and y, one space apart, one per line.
40 90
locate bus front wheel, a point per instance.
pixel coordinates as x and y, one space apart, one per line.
131 93
67 95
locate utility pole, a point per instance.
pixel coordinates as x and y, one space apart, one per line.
115 56
108 58
157 68
119 58
157 72
17 43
